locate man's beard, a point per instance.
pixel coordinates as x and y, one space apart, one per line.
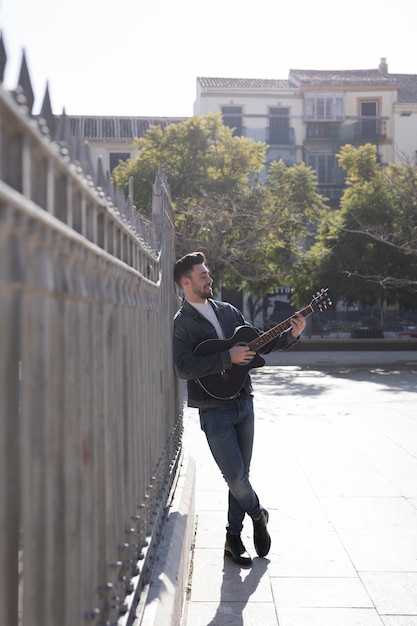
207 292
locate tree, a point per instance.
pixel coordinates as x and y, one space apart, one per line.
249 230
366 251
254 236
301 207
199 156
240 234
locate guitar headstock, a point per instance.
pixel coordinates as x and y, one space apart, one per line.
321 300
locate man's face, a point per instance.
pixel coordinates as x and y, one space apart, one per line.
197 284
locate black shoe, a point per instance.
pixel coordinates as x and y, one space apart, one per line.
235 549
261 537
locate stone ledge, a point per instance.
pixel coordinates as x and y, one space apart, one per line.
163 599
330 345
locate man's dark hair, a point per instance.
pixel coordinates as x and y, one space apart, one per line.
186 263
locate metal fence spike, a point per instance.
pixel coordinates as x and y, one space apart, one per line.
3 57
63 133
101 177
46 111
25 83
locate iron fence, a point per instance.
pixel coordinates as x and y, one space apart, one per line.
90 410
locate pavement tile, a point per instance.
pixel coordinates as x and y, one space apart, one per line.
311 554
293 515
402 475
209 481
399 620
350 480
217 578
211 500
390 549
407 409
211 529
288 486
402 430
370 512
233 614
334 462
391 459
392 593
328 617
320 593
209 477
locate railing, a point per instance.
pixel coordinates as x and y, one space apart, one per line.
367 128
90 410
284 138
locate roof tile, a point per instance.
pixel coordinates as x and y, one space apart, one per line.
243 83
342 77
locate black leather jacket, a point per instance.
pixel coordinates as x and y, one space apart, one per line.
191 328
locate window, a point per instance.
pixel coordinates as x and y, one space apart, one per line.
324 108
279 126
322 130
115 157
369 127
324 165
232 117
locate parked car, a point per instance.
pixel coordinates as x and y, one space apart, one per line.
408 330
368 328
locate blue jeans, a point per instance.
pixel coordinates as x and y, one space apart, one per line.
229 430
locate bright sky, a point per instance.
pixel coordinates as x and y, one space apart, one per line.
142 59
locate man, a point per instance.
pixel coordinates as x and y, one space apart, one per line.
227 423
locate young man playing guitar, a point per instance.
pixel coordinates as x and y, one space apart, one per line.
228 422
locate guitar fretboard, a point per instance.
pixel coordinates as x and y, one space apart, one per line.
276 331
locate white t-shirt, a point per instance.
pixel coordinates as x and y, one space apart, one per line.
207 310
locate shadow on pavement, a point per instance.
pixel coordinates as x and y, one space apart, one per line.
238 585
293 379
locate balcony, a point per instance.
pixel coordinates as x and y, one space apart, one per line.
286 137
362 131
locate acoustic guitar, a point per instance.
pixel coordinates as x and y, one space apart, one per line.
227 384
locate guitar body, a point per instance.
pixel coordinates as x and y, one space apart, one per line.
228 383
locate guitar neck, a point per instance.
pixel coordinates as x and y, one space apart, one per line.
277 330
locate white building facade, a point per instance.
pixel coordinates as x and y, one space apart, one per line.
310 116
305 118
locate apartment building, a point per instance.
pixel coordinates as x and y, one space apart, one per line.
112 137
405 119
313 113
307 118
270 111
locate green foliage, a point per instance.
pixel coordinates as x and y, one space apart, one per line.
240 234
199 156
296 199
249 231
296 188
258 237
367 250
360 164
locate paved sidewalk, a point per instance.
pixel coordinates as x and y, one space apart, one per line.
335 463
